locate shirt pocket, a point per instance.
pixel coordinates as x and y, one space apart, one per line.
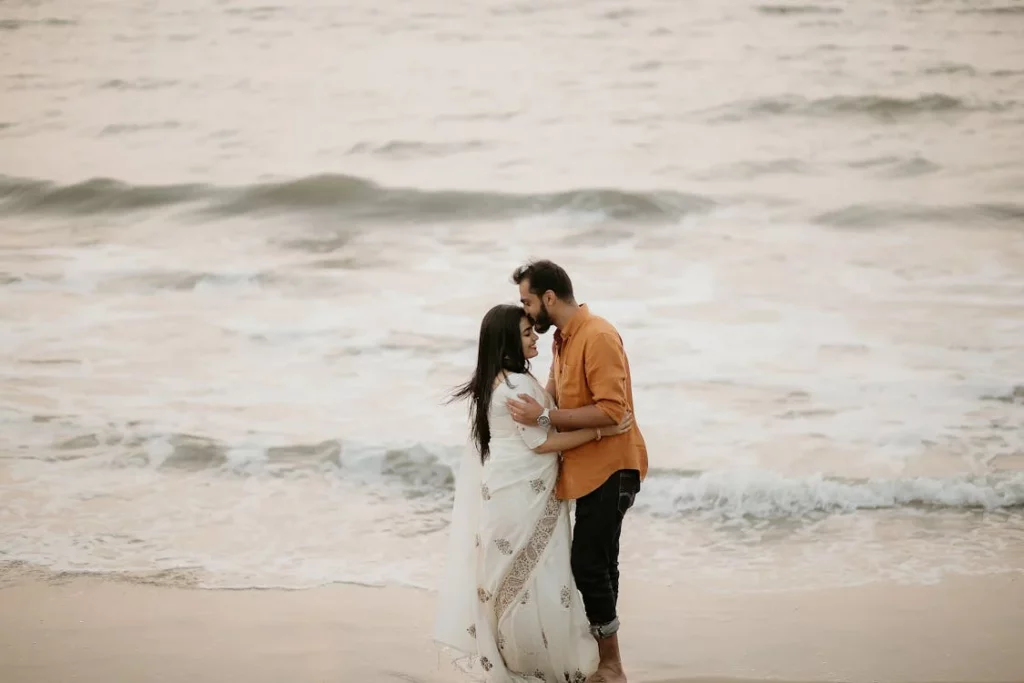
571 386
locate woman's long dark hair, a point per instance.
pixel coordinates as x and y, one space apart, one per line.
500 350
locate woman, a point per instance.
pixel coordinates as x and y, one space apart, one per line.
508 603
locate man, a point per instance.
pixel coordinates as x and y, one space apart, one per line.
591 383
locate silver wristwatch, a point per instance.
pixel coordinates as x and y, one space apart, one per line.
544 419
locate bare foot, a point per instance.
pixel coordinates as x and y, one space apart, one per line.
604 675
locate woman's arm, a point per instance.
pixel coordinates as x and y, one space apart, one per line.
565 441
545 440
558 442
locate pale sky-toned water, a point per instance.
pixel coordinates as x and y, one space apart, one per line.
244 251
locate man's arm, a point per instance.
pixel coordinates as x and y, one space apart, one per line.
580 418
605 367
526 410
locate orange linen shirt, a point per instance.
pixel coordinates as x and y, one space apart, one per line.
590 367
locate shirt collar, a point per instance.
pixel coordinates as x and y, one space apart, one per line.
572 327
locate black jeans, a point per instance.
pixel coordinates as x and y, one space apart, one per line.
595 547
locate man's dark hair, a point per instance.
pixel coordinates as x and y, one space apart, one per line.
544 276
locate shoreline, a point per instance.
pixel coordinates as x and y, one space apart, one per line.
59 627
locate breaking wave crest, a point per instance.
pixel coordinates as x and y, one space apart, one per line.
419 470
341 195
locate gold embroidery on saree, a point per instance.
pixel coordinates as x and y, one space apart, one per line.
527 558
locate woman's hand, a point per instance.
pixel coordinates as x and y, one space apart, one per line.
621 428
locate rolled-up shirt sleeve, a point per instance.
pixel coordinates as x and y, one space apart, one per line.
605 366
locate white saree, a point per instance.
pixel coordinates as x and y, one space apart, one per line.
508 605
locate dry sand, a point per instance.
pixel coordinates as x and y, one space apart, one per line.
59 628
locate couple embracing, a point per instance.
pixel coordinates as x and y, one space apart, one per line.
526 596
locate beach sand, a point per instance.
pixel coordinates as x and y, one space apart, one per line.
58 628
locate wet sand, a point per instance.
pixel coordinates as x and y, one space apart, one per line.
58 628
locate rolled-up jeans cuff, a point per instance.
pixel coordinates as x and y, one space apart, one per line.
602 631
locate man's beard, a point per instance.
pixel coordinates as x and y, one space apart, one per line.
542 323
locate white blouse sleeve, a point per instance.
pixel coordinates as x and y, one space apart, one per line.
532 436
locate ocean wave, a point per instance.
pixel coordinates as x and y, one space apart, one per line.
785 10
1000 10
866 216
155 280
137 84
896 166
880 107
767 495
20 196
751 170
1014 395
423 470
948 68
341 196
412 148
15 24
418 468
130 128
